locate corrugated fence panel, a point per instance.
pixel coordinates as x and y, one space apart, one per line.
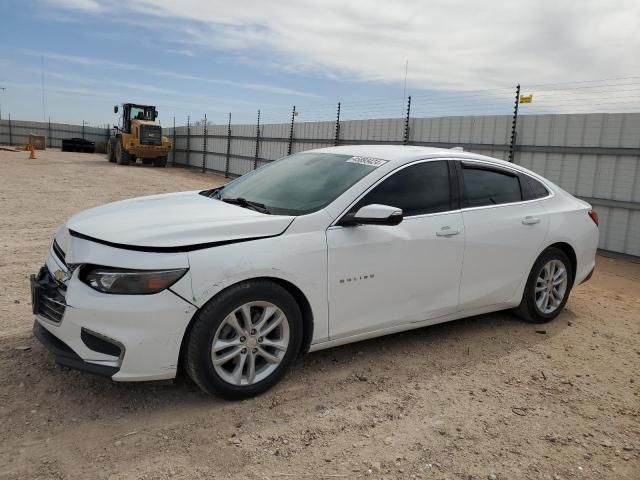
599 177
573 151
54 132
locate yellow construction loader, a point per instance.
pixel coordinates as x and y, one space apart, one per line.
138 136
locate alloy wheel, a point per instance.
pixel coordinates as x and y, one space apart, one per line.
250 343
551 286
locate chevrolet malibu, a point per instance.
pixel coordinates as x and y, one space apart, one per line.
315 250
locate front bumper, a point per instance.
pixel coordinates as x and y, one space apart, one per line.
65 356
149 151
125 337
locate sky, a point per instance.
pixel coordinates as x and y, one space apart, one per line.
191 57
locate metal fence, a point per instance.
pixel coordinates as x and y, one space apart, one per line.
593 156
16 132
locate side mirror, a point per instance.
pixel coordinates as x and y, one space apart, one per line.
115 109
373 214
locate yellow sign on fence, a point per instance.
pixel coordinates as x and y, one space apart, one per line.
526 98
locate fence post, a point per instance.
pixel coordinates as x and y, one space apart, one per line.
255 160
173 157
514 122
83 129
204 144
293 116
10 135
228 157
49 132
188 140
336 141
406 122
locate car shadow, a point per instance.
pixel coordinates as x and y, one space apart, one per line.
29 370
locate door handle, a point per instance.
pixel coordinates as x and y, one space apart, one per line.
447 232
529 220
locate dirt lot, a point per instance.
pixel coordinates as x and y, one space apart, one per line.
486 397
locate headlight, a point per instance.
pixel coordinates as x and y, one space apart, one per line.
125 281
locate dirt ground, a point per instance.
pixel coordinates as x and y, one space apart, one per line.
481 398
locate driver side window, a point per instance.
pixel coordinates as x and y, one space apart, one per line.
417 189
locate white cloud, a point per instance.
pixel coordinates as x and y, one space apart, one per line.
86 5
100 62
181 51
121 86
449 43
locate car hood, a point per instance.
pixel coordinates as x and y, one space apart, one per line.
174 220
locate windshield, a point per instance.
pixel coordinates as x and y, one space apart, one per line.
138 113
301 183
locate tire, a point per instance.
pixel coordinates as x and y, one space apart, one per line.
160 161
214 327
122 157
110 153
550 263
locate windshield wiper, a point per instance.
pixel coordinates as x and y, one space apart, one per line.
212 193
243 202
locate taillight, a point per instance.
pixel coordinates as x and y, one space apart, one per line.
594 217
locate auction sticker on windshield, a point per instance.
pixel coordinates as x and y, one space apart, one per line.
372 162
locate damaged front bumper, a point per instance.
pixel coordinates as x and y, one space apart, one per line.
125 337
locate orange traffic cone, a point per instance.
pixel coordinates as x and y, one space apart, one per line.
32 156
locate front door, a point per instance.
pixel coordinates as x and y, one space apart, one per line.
382 276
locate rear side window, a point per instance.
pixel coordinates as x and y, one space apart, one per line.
490 187
533 189
417 189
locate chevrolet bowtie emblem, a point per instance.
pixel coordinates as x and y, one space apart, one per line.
60 275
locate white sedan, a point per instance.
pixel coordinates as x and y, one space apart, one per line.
318 249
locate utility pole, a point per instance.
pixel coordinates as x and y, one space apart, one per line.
43 104
2 89
404 89
336 140
293 116
228 156
514 124
405 137
204 144
255 160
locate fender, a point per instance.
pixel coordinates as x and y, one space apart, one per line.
299 259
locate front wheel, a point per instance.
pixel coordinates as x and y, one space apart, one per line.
111 156
122 157
244 340
548 287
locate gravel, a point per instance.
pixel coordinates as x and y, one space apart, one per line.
395 407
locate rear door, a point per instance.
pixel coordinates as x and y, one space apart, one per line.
383 276
504 232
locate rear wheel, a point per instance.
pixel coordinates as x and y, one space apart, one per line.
160 162
548 287
122 157
244 340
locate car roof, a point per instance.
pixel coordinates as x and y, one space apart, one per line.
400 154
